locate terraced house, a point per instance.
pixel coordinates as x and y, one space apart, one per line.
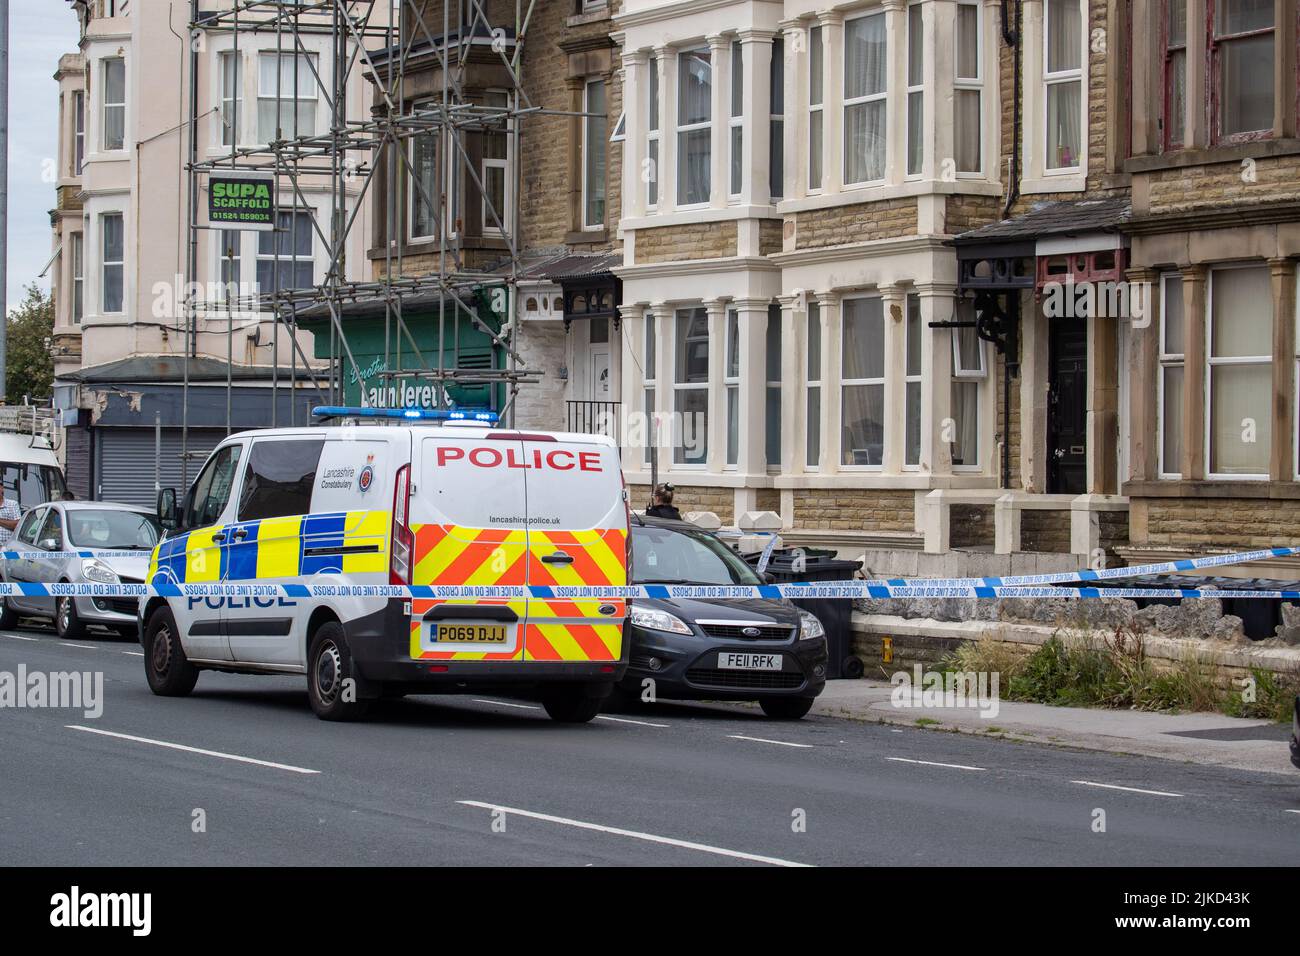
790 283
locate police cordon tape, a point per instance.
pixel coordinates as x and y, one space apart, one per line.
1030 585
826 589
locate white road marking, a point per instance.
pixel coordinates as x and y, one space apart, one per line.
193 750
764 740
20 637
504 703
1293 811
932 763
134 653
634 834
1112 786
627 720
89 647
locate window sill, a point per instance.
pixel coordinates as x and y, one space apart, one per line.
1212 488
1064 183
586 237
1204 156
590 16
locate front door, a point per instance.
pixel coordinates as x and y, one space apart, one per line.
1067 408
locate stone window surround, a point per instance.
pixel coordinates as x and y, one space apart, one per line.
1037 178
936 302
939 24
1283 479
587 59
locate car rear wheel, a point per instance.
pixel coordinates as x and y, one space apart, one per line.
66 623
8 616
331 680
786 708
571 705
168 670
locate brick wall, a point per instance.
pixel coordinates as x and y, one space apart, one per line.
853 509
861 222
701 240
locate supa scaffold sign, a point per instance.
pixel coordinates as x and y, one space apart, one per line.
241 200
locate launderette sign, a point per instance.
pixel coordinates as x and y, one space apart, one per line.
239 200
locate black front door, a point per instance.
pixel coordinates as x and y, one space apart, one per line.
1067 408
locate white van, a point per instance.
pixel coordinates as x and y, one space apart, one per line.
415 505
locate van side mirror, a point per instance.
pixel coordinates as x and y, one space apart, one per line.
168 513
48 544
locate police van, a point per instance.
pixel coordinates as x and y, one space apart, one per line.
410 502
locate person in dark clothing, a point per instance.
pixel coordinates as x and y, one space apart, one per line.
662 504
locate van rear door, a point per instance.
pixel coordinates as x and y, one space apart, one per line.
469 520
577 535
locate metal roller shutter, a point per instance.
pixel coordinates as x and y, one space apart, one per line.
126 462
77 461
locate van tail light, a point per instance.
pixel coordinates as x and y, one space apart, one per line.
403 548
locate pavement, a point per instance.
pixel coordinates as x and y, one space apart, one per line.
1202 738
242 773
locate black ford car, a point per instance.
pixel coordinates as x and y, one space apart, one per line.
753 649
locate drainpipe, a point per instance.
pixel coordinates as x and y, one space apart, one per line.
1011 36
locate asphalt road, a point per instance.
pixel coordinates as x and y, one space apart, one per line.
671 785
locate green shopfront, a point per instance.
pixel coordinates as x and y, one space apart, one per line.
466 346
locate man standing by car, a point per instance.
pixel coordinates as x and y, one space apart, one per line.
661 505
9 515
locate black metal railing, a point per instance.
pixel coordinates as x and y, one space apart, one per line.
596 418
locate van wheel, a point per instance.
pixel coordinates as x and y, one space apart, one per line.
66 623
786 708
571 705
8 616
168 670
331 682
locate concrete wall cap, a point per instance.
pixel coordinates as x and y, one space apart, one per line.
759 521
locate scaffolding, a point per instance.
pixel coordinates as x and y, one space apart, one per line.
340 158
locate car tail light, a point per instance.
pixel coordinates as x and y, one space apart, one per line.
399 562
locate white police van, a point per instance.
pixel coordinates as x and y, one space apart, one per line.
393 498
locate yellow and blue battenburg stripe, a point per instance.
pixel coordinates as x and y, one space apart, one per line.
344 542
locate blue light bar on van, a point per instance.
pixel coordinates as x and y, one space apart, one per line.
407 414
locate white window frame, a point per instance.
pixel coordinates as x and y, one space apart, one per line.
1168 360
845 382
776 122
682 128
586 145
649 381
849 102
770 385
913 378
972 84
78 131
77 269
731 384
978 374
286 206
654 136
105 262
230 133
286 95
507 211
678 417
910 90
1211 363
813 382
735 121
105 105
441 164
220 260
1050 79
816 69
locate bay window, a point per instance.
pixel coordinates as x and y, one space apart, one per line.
78 131
651 171
967 94
595 130
286 96
231 256
862 397
691 387
112 261
814 379
968 372
776 141
232 104
772 417
78 277
1174 119
736 137
912 383
113 135
1063 83
1169 386
1239 374
694 127
1241 46
915 90
816 115
731 383
422 209
648 363
285 259
865 90
495 170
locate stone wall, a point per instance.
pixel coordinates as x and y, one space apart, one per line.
861 222
853 509
721 501
1222 522
1224 184
701 240
1045 531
